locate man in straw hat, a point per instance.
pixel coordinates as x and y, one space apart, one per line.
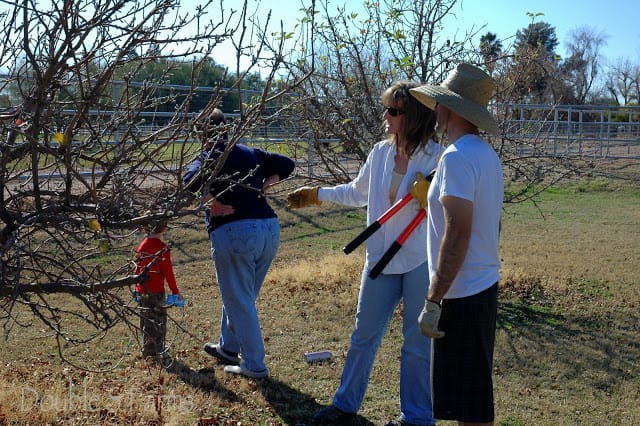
464 207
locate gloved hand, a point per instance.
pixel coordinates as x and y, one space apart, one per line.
428 320
419 189
135 296
176 300
303 197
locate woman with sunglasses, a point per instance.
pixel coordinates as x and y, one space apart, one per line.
387 175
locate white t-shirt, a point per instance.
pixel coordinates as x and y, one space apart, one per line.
469 169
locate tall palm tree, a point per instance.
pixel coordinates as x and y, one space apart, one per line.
490 48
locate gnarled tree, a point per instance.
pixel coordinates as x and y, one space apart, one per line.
86 155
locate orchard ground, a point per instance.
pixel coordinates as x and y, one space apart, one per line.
567 348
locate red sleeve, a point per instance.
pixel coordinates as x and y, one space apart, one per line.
167 269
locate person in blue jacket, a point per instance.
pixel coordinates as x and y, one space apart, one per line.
245 234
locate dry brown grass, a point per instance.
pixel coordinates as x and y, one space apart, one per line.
567 347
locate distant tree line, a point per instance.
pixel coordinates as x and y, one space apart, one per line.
530 69
543 76
173 82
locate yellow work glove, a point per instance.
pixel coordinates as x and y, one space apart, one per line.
428 320
303 197
419 189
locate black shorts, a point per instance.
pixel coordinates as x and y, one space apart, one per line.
463 358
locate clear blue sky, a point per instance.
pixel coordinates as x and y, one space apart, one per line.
618 20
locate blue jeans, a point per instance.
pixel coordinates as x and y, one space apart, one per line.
376 303
242 252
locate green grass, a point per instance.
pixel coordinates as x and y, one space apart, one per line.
567 350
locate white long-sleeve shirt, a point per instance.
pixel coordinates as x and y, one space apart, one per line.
371 188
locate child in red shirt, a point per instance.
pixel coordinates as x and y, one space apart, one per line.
153 258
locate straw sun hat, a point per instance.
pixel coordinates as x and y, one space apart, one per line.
466 91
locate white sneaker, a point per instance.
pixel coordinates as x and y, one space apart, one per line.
241 369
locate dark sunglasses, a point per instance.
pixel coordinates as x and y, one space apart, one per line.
394 112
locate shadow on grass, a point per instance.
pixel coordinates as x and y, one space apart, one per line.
203 379
295 407
593 346
291 405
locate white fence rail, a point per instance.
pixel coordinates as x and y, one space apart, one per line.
594 131
575 130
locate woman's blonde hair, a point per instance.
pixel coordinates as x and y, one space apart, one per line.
419 121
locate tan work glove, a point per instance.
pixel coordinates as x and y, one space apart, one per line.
303 197
419 189
428 320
